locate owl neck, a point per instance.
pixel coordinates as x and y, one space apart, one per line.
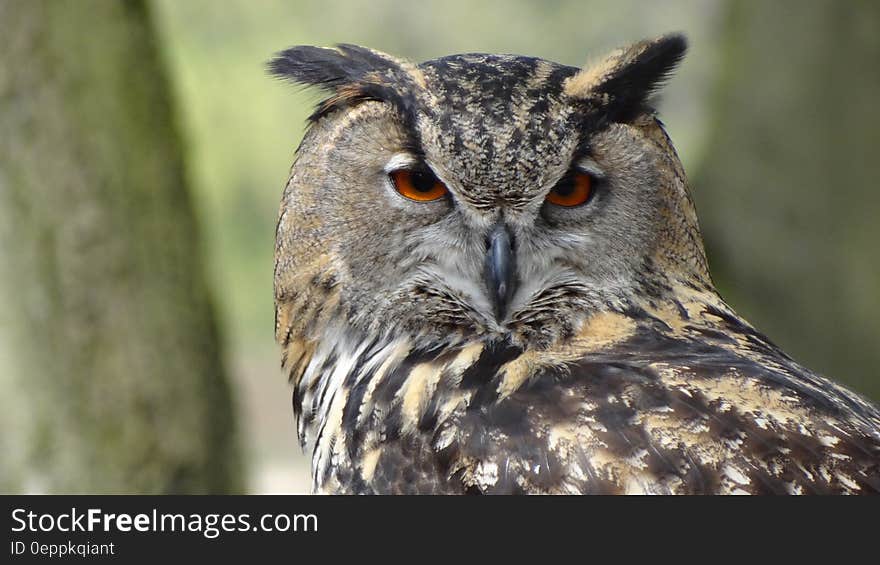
341 377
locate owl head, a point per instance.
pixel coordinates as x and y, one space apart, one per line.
494 196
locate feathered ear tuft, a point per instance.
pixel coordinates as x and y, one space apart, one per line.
623 81
328 68
352 73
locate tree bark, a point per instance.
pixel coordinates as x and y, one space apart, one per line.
788 193
110 359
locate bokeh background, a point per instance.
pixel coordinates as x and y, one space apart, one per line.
143 151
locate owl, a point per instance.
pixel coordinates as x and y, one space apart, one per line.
490 279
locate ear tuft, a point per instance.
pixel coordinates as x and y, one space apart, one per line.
621 83
328 68
350 72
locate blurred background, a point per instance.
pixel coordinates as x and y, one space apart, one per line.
143 151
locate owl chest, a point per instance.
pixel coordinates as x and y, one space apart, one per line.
394 420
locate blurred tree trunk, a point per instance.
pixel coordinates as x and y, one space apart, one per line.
110 361
789 193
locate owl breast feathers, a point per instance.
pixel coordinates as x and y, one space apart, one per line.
490 279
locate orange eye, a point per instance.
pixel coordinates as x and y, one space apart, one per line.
420 186
573 190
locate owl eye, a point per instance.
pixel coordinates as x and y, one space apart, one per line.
421 186
573 190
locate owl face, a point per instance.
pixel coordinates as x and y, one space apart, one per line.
485 195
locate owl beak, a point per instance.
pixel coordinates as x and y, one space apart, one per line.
500 272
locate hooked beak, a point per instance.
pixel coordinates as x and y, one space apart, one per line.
500 269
